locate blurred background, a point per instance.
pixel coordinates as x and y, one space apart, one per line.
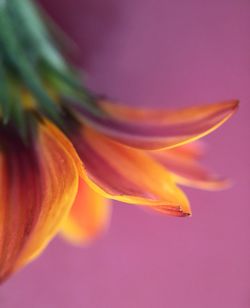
158 53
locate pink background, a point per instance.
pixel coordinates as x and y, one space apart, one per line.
159 52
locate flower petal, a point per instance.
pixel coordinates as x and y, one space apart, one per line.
89 216
157 129
186 169
126 174
38 186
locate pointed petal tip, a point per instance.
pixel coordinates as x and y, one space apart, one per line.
216 184
221 183
209 184
234 104
182 214
228 107
187 215
187 212
176 211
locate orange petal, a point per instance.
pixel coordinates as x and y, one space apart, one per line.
194 150
183 162
89 216
157 129
38 186
125 174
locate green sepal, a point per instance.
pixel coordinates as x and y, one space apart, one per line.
30 60
15 54
68 85
18 115
26 14
4 94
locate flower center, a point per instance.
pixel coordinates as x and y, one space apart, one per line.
34 75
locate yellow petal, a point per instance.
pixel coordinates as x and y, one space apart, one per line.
89 216
152 129
38 186
184 164
126 174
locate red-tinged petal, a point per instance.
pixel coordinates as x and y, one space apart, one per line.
38 186
158 129
89 216
194 150
186 169
126 174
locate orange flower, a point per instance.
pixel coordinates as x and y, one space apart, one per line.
55 185
61 160
138 156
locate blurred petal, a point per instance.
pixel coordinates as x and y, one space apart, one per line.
126 174
194 150
89 215
158 129
38 186
183 163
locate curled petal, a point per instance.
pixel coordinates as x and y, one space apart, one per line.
126 174
183 162
158 129
38 185
88 217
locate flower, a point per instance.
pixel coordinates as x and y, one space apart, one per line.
139 156
65 152
38 186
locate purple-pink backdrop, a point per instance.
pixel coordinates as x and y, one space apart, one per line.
168 53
